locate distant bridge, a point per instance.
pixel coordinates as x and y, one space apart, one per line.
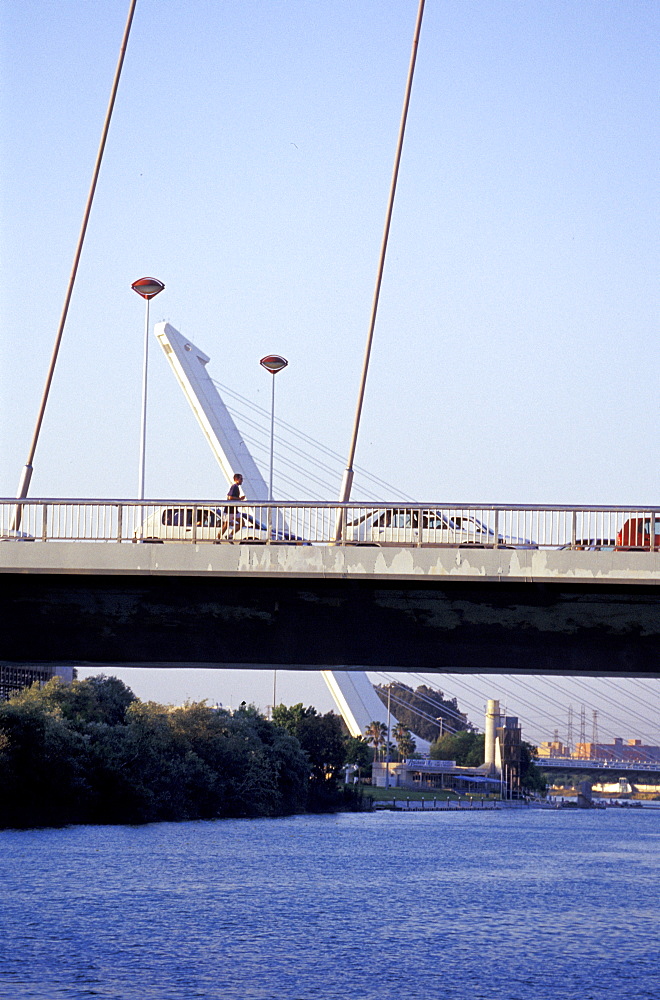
408 588
585 764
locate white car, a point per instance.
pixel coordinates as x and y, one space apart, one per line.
202 523
400 526
16 536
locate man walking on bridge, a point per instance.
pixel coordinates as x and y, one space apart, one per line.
233 517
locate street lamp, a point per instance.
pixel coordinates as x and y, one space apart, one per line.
273 363
148 288
389 720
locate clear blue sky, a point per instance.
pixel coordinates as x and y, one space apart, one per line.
248 166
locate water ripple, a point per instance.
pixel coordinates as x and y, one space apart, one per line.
499 906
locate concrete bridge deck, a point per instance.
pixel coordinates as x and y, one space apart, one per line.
321 606
388 562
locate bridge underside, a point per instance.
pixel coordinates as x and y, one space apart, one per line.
347 624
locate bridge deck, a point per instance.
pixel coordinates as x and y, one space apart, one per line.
328 562
331 607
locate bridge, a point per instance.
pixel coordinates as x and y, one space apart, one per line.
596 764
407 588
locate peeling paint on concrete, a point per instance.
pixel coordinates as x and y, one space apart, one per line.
327 561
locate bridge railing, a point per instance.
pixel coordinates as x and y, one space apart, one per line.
415 525
596 763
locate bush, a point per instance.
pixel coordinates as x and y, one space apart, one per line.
91 752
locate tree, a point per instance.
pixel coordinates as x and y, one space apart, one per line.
357 752
531 776
93 753
376 733
425 710
96 699
466 748
291 717
321 739
405 743
43 778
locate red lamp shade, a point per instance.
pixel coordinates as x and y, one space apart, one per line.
148 288
274 363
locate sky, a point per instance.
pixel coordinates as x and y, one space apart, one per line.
248 167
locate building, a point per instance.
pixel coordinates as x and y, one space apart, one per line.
620 751
502 745
14 678
422 775
500 770
553 748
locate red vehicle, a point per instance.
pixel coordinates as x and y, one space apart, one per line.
636 534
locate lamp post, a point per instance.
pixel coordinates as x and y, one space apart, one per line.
273 363
148 288
389 721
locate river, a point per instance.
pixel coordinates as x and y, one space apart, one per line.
511 905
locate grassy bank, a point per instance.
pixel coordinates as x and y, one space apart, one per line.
401 794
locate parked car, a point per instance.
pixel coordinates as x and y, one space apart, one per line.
400 526
211 524
636 534
11 535
591 544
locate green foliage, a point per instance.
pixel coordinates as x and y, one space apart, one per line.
91 752
357 752
405 744
466 748
97 699
418 710
531 777
376 733
321 739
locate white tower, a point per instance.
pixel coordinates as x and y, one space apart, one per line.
493 720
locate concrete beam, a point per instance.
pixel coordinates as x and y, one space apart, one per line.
321 608
331 562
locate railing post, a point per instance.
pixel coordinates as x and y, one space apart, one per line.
44 523
120 521
340 526
496 529
573 529
269 521
194 525
16 517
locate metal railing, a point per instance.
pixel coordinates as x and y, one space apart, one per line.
414 525
595 763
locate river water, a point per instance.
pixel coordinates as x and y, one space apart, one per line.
511 905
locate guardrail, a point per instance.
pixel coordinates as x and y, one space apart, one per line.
417 525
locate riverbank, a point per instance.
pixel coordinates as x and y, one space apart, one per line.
454 805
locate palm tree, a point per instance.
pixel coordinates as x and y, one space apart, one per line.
376 733
400 732
405 742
